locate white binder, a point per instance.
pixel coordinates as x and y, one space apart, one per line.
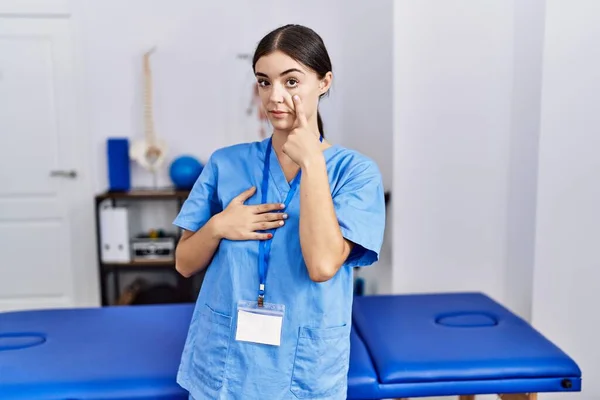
114 235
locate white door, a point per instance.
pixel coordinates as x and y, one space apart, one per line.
43 178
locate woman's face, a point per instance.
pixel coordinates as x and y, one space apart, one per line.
279 77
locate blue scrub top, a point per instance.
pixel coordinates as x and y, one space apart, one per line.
312 360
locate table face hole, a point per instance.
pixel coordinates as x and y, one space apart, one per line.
467 320
16 341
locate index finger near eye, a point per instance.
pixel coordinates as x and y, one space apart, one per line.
299 109
262 208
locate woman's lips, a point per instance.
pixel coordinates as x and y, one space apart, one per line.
278 114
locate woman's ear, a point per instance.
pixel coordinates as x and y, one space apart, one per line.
325 83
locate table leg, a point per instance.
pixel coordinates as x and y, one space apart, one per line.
523 396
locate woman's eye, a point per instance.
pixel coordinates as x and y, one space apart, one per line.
262 82
292 82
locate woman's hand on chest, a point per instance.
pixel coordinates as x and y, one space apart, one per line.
239 221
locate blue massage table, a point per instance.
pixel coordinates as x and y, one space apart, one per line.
401 346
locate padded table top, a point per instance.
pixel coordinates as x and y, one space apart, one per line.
401 346
454 337
112 353
106 353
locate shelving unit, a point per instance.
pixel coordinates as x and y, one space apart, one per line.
107 270
114 270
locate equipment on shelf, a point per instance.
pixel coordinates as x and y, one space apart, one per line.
184 171
155 246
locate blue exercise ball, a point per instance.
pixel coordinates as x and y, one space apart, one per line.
184 171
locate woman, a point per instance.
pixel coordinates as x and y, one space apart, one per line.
279 224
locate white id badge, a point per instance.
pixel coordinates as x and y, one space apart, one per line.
259 324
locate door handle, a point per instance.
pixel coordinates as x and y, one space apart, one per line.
63 173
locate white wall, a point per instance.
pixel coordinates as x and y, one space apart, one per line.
523 152
453 79
495 161
366 74
567 274
466 106
202 90
366 82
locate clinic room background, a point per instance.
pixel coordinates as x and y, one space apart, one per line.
483 117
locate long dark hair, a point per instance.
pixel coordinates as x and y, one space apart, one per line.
303 45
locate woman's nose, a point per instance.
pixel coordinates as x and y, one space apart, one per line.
278 94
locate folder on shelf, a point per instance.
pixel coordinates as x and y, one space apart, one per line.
114 235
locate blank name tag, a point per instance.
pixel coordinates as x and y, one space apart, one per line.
259 324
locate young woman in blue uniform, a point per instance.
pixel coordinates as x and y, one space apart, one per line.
279 225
